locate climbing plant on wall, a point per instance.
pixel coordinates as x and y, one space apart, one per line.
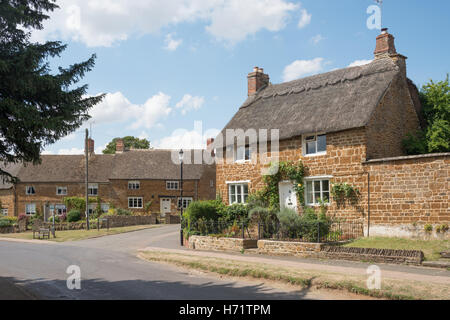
78 203
343 192
285 170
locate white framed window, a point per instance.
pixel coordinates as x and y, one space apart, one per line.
186 201
238 192
105 207
60 209
30 209
61 191
134 185
242 154
4 211
173 185
135 202
30 190
91 208
93 189
314 144
316 190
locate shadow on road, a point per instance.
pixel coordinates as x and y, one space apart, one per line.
142 290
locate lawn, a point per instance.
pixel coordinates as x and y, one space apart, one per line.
430 248
306 279
74 235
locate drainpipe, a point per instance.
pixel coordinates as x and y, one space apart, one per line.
368 204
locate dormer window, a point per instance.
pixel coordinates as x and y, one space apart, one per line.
242 154
29 190
315 145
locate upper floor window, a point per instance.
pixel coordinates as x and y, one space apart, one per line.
243 153
238 193
61 191
134 185
136 203
172 185
30 209
93 189
315 144
317 190
30 190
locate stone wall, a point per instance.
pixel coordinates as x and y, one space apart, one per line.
220 244
289 248
373 255
123 221
172 219
7 200
408 192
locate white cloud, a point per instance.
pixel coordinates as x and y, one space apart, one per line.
184 139
234 20
189 103
359 63
46 152
171 43
300 68
305 19
115 107
143 135
106 22
317 39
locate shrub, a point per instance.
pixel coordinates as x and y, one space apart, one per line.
5 223
428 227
57 219
290 222
235 212
123 212
444 228
205 210
74 215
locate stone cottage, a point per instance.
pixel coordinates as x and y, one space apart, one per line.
128 179
345 126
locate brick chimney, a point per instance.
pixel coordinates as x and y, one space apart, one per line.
256 80
385 48
90 143
120 147
209 146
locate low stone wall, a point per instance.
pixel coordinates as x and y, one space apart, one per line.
373 255
172 219
10 229
124 221
289 248
408 231
220 244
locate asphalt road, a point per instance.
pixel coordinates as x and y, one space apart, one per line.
110 270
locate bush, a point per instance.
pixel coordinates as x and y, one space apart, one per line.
290 223
5 223
57 219
235 212
428 227
123 212
205 210
74 215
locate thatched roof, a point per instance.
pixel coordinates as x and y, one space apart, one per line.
148 164
330 102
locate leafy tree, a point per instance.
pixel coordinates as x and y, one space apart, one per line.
37 107
129 142
435 99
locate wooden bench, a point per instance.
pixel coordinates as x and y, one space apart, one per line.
41 232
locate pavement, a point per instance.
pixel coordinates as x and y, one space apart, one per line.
110 269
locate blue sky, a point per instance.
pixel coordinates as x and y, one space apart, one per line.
167 64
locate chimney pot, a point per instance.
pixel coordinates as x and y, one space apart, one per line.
257 80
90 146
120 147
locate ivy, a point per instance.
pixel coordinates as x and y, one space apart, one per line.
79 203
285 170
343 192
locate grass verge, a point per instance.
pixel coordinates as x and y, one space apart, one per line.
430 248
75 235
310 279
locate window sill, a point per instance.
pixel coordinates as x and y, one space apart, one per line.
242 161
317 205
319 154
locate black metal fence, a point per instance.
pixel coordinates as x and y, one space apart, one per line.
304 231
